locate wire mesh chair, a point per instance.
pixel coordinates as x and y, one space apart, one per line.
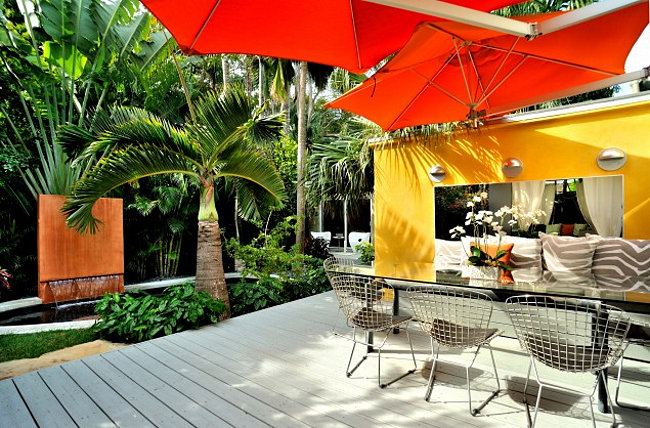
367 307
570 335
334 265
641 327
456 318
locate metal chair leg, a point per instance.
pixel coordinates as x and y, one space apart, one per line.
609 399
432 374
475 411
618 386
384 385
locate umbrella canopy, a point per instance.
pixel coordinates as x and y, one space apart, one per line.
450 71
351 34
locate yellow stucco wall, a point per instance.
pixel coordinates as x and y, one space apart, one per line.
558 147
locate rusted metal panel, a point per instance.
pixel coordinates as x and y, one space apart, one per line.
64 254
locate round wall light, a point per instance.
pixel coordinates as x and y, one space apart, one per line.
512 167
611 158
437 173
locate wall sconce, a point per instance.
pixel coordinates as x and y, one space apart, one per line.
512 167
437 173
611 158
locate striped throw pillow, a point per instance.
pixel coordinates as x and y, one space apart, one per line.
568 254
622 257
526 254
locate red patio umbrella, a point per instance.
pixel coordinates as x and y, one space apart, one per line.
351 34
450 71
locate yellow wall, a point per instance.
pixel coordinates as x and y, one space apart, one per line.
558 147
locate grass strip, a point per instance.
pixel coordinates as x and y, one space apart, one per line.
32 345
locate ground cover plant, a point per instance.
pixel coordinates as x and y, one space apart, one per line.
136 317
33 345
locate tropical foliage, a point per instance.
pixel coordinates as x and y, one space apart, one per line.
136 317
132 144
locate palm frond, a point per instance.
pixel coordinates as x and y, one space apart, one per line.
252 166
118 168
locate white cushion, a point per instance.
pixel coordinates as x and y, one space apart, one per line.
355 238
447 255
326 236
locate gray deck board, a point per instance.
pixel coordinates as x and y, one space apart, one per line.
214 409
186 407
43 405
13 411
80 406
252 398
281 367
119 410
144 399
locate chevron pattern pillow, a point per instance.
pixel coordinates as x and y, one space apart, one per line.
622 257
568 254
526 254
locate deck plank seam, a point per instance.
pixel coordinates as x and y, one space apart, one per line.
187 396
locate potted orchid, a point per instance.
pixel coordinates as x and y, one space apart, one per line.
481 262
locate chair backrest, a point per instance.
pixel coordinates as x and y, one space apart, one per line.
326 236
364 301
572 335
336 264
355 238
452 316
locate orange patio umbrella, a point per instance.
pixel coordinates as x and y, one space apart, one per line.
449 71
351 34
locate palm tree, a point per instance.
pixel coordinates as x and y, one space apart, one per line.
133 144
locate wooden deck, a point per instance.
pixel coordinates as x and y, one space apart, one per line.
281 367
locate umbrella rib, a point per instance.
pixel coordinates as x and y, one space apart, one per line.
205 23
478 76
494 76
443 90
555 61
354 31
462 70
432 83
485 96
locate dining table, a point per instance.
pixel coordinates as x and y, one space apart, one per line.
631 294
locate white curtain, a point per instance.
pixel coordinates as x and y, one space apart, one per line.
604 200
527 196
582 204
548 200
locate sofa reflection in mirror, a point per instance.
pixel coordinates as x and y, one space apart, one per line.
567 230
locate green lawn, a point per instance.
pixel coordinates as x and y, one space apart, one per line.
17 346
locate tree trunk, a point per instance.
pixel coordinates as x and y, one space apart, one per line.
260 81
302 152
210 276
225 70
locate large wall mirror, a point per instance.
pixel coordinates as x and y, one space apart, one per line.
567 206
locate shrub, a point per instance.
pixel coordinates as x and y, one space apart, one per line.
366 252
283 273
318 248
139 316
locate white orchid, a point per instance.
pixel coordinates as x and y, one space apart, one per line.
470 204
476 198
484 195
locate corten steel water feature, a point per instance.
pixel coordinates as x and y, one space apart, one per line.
72 266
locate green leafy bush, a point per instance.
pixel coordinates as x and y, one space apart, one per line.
283 274
366 252
137 317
